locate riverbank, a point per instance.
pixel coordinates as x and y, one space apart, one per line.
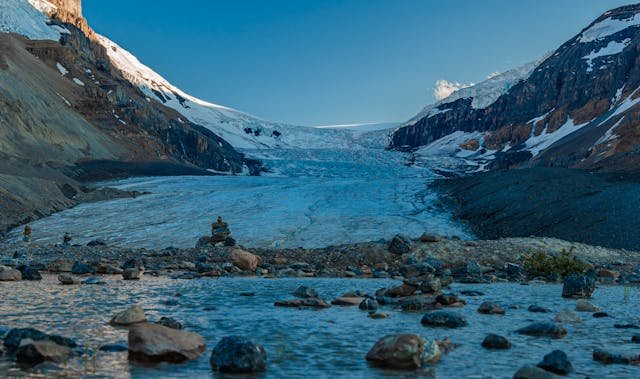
593 208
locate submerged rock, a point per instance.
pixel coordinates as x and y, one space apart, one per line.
157 343
305 292
583 305
543 329
32 352
14 338
578 286
534 372
347 301
556 362
368 304
494 341
299 303
238 355
114 347
133 315
538 309
607 357
567 315
80 268
490 308
169 323
67 279
403 351
29 273
443 319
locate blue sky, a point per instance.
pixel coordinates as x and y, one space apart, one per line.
335 62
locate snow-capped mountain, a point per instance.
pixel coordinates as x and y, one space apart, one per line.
575 108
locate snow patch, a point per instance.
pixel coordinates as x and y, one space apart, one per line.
609 136
607 27
445 88
536 144
78 82
612 48
624 106
62 69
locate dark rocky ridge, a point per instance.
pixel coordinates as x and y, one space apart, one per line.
563 87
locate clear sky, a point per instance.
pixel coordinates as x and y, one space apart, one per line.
322 62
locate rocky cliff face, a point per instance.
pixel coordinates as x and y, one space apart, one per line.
577 108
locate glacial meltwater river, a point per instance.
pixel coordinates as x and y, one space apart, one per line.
329 343
312 198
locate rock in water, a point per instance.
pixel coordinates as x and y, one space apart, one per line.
9 275
238 355
543 329
32 352
400 244
403 351
67 279
157 343
29 273
533 372
313 302
568 315
606 357
494 341
131 274
114 347
583 305
305 292
490 308
170 323
14 338
244 260
80 268
556 362
133 315
578 286
444 319
368 304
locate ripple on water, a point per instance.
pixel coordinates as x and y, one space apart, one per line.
303 343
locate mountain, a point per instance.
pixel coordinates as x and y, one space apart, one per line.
576 108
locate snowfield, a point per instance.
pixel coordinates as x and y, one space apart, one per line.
26 17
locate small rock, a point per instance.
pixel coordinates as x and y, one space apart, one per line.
578 286
299 303
429 238
347 301
583 305
10 275
600 314
245 260
114 347
543 329
169 323
368 304
538 309
305 292
606 357
490 308
32 352
443 319
80 268
494 341
626 326
94 280
556 362
635 338
97 242
378 315
157 343
568 315
131 274
534 372
403 351
238 355
133 315
29 273
67 279
400 244
401 290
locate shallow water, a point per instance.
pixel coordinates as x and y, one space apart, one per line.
313 198
314 343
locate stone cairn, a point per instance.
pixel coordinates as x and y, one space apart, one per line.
220 235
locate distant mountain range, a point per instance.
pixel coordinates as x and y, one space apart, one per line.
577 107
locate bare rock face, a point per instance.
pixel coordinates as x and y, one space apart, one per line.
245 260
158 343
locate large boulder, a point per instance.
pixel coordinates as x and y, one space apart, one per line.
443 319
133 315
494 341
245 260
578 286
158 343
238 355
543 329
403 351
32 352
400 244
9 275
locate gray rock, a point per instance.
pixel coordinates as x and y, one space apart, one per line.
114 347
578 286
236 354
534 372
494 341
556 362
443 319
543 329
403 352
400 244
157 343
67 279
305 292
490 308
80 268
368 304
32 352
29 273
538 309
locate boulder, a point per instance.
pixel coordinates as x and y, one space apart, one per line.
244 260
538 309
583 305
61 265
32 352
133 315
490 308
567 315
494 341
157 343
14 338
236 354
578 286
169 323
368 304
80 268
556 362
131 274
543 329
347 301
313 302
403 351
607 357
305 292
10 275
400 244
534 372
401 290
29 273
443 319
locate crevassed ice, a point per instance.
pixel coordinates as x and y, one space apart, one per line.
607 27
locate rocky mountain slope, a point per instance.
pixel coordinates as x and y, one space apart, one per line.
577 108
